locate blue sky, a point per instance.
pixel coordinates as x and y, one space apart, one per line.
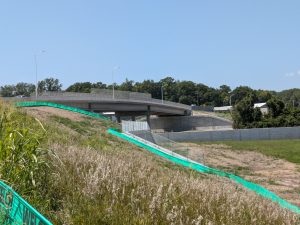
254 43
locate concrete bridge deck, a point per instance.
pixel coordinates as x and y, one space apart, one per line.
121 103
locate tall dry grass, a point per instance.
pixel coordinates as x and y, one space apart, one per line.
94 178
130 188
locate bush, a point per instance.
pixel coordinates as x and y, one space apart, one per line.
23 163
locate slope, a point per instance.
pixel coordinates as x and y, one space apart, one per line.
95 178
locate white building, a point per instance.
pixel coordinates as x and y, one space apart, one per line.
263 107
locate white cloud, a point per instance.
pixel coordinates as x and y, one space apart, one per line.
290 74
293 74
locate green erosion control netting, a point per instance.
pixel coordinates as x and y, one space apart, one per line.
15 210
198 167
254 187
59 106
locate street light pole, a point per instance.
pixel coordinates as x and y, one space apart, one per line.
36 77
36 73
113 80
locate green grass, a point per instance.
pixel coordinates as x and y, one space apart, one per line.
225 115
283 149
96 178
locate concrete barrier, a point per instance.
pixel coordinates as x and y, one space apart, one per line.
236 135
186 123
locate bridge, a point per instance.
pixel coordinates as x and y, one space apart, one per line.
123 103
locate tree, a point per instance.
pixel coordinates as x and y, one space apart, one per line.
201 97
8 90
241 92
49 84
169 89
224 94
187 92
149 86
127 85
276 107
264 96
85 87
243 113
25 89
291 97
225 89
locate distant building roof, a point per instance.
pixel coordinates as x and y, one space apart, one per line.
260 105
223 108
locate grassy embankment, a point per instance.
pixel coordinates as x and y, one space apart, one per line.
283 149
73 172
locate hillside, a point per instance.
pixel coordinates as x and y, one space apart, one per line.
87 176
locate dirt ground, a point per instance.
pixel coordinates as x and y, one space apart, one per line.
277 175
44 112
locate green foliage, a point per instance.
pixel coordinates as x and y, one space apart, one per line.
276 107
24 89
23 164
246 116
243 114
116 183
49 84
8 91
127 85
15 90
291 97
85 87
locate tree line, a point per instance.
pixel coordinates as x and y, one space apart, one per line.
279 114
185 92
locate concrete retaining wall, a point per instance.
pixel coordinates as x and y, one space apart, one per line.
236 135
186 123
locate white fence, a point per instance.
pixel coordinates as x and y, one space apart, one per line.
128 126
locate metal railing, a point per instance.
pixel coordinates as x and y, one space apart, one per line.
128 126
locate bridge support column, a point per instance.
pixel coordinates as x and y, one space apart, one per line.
148 115
118 118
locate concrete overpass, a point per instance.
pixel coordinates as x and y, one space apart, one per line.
123 103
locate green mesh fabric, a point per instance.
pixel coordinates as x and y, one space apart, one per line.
59 106
196 166
15 210
252 186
